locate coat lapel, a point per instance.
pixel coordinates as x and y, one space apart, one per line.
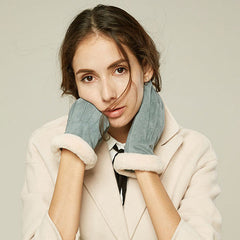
134 205
101 184
170 140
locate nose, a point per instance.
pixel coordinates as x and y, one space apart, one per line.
108 91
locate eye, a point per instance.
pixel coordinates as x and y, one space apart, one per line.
120 70
87 79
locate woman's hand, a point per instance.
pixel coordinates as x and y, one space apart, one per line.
83 121
144 134
148 123
82 132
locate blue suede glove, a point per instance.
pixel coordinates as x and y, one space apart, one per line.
83 121
148 123
82 132
145 132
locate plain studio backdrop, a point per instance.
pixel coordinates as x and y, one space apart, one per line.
199 45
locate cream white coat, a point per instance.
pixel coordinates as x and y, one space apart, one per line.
189 177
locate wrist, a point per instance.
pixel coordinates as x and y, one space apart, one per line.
70 156
145 174
71 163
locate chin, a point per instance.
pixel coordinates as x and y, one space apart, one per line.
114 123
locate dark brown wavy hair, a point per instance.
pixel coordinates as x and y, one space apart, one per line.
116 24
119 26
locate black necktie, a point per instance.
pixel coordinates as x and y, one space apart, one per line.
121 180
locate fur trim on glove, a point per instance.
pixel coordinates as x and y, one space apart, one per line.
76 145
126 163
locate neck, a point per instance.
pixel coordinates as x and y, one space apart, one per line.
120 134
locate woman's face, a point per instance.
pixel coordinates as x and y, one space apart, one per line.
102 74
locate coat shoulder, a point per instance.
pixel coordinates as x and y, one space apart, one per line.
47 131
193 135
196 141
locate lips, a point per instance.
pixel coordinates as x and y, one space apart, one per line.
115 113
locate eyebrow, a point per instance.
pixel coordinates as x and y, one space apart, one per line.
112 65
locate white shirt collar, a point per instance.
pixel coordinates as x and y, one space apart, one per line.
112 141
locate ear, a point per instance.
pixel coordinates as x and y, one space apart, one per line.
147 73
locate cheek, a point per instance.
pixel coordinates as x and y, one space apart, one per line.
138 84
89 95
137 94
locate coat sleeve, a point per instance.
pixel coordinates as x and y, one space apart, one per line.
36 196
200 219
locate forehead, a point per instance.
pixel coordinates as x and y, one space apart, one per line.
98 50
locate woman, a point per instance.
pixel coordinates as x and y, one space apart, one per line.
79 184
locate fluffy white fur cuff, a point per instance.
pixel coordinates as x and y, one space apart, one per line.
126 163
76 145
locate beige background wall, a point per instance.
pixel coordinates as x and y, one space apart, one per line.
199 42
